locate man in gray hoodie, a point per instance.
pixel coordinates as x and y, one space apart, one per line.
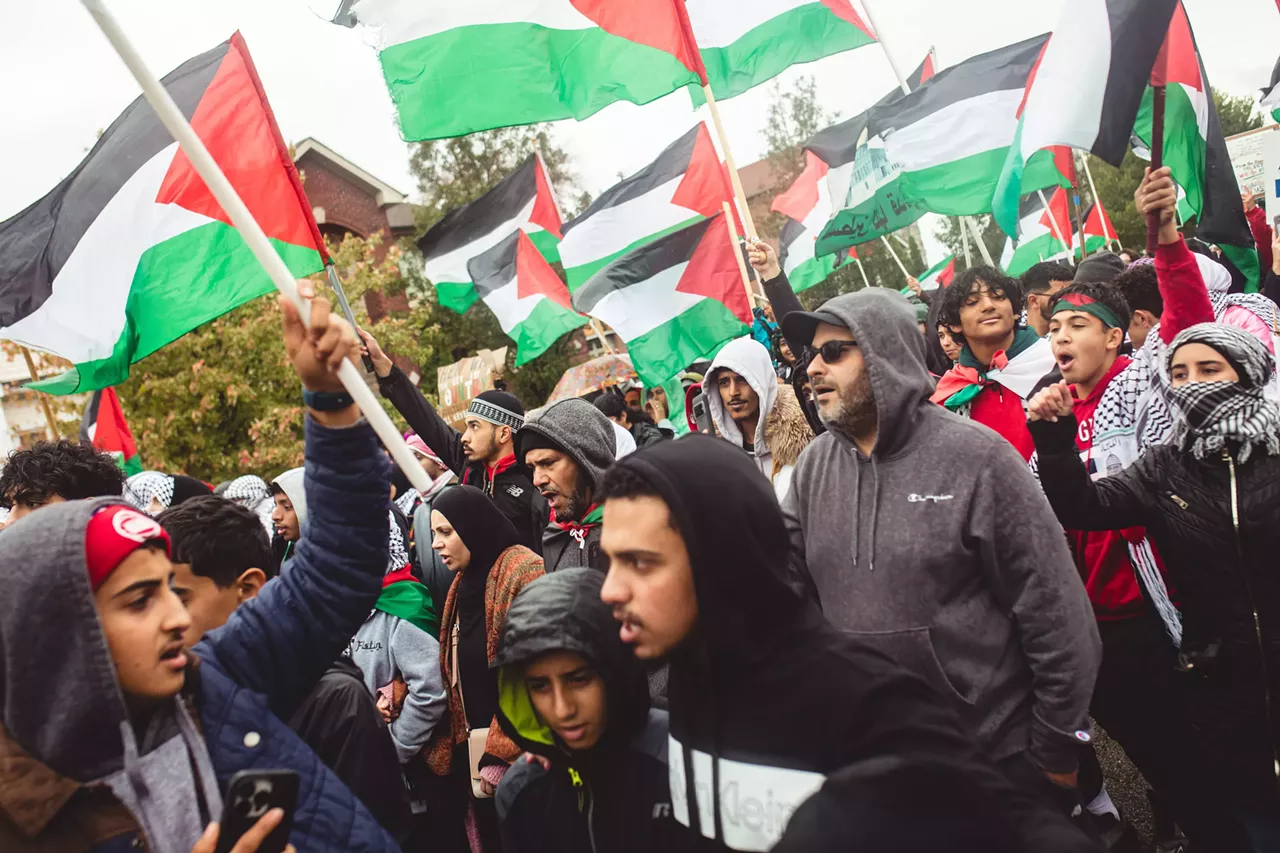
568 446
925 535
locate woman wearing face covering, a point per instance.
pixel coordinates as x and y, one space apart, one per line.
478 544
1211 502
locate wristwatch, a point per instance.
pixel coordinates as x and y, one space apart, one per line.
327 401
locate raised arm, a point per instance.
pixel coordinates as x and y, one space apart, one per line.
1262 234
777 289
415 408
1186 300
280 643
1033 577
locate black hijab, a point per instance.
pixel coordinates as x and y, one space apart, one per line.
487 533
935 356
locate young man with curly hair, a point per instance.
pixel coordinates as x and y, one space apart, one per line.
56 472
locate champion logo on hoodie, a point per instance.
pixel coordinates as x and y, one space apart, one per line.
915 499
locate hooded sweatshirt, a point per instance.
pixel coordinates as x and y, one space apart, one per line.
767 697
988 606
781 431
577 428
612 797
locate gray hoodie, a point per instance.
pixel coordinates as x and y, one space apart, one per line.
580 430
941 550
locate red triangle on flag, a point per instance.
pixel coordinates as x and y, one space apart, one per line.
844 10
705 186
713 271
1064 162
802 196
235 122
948 275
1060 224
1098 224
534 275
927 70
111 433
1031 78
660 24
546 213
1177 61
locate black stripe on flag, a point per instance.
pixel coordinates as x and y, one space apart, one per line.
1138 28
1221 218
496 268
997 71
669 165
640 264
473 220
791 231
90 417
35 243
838 144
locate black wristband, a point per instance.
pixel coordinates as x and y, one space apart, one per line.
327 401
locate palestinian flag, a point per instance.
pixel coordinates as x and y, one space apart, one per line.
686 183
939 275
1087 87
525 294
1271 94
673 300
951 137
103 426
744 44
860 180
522 201
1195 150
1098 230
807 206
1037 238
454 68
131 251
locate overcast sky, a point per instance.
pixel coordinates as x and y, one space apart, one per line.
63 82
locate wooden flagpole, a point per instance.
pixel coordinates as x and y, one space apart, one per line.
737 253
1093 190
1053 221
729 162
600 333
254 237
1161 73
44 398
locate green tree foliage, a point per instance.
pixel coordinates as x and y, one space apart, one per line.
949 233
1236 113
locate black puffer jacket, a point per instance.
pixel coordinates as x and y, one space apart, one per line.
1224 568
613 797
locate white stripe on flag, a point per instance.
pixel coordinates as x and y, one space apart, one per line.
962 129
719 23
398 21
645 306
615 228
452 267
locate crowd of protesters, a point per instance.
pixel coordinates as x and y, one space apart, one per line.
879 607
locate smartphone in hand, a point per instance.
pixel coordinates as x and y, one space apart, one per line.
250 795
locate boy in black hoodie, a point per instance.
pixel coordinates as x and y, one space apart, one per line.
571 693
766 697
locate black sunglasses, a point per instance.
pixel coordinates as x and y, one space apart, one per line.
831 351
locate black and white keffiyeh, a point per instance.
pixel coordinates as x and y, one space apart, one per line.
253 493
1212 415
141 488
399 554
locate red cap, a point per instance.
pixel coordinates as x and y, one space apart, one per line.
114 533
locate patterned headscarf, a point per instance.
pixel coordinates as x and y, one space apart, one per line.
141 488
253 493
1211 414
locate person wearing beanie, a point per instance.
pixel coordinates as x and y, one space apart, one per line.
568 446
483 455
113 734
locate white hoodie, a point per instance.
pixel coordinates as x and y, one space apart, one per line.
750 360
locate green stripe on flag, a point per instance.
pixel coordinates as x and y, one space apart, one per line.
813 271
801 35
543 327
179 285
485 76
547 244
887 211
665 350
457 296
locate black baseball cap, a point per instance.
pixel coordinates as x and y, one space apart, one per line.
800 326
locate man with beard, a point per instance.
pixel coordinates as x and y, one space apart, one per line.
1041 283
918 531
483 456
767 697
568 446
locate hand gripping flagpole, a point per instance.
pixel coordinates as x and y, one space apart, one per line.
158 97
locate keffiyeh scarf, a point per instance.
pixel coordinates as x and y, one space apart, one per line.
141 488
1212 415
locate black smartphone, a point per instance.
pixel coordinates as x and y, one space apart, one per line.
250 795
702 413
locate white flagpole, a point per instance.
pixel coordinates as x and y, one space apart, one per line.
1093 190
863 270
977 238
896 259
251 231
1053 221
964 241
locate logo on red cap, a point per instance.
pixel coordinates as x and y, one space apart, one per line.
135 526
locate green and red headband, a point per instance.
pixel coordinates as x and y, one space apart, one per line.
1088 305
